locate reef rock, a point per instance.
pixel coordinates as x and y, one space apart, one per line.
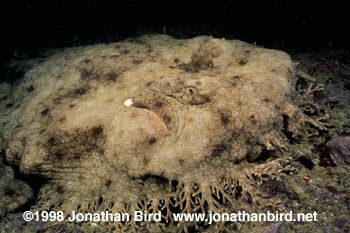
341 148
150 123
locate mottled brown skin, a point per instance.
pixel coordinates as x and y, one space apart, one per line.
101 120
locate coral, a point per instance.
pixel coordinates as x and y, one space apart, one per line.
156 124
310 117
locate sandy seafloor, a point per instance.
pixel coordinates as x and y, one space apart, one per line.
321 179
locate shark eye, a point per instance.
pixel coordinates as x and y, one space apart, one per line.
191 91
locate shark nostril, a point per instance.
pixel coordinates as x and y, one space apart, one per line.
140 105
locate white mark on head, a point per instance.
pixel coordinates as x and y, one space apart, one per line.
128 102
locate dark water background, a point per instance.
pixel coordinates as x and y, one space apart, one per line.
30 26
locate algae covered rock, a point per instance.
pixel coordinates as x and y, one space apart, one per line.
151 123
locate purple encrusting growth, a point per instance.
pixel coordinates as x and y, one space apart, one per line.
341 148
274 228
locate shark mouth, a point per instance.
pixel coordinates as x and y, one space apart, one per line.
158 109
